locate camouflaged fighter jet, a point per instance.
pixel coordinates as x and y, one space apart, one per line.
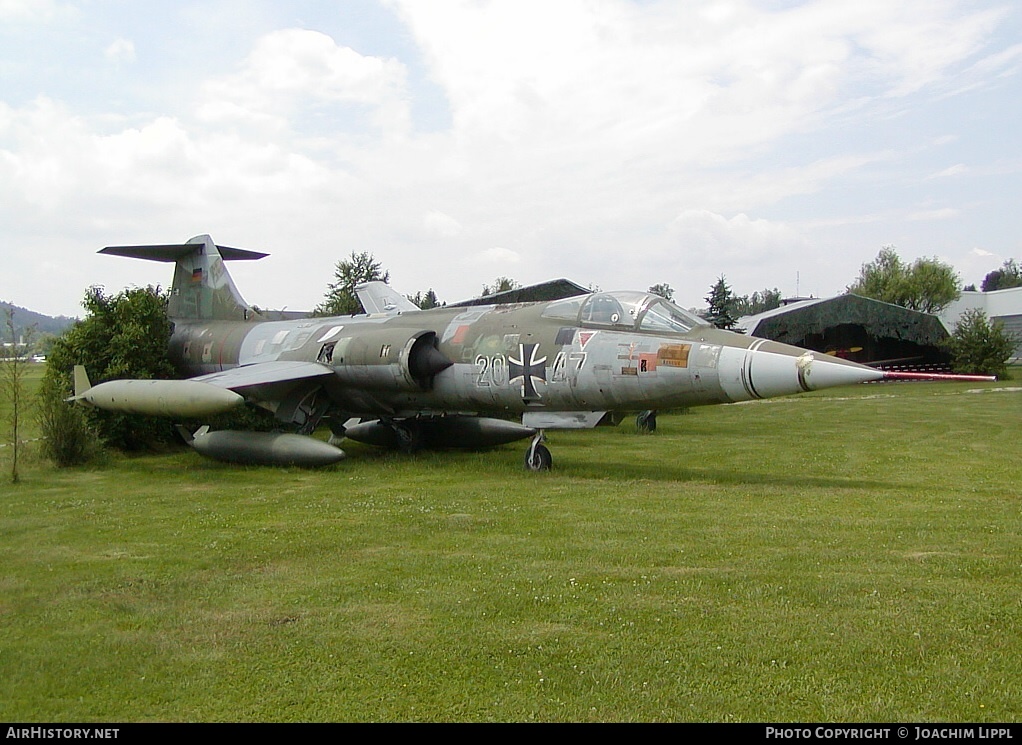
449 377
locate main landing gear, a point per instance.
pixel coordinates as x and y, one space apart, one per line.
645 422
537 457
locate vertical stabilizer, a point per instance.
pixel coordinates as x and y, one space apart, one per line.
82 384
202 287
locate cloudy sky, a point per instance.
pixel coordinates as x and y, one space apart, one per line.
619 143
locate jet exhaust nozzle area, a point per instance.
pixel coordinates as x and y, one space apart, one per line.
390 359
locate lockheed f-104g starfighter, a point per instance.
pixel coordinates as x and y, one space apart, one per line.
448 377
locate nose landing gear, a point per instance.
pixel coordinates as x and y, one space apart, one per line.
537 457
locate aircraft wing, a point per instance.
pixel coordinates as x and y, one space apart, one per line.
264 379
555 289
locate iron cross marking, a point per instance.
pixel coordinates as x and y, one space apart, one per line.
528 369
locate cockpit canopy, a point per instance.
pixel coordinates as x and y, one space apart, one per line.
624 311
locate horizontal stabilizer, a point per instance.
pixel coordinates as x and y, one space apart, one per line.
172 252
202 288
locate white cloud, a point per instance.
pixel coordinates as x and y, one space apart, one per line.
973 265
703 81
38 168
497 256
945 213
441 225
294 67
1001 64
621 143
121 50
29 10
716 238
911 45
956 170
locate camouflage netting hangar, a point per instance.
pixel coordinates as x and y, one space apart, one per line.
855 328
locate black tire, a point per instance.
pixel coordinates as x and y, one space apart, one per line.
646 421
538 458
409 437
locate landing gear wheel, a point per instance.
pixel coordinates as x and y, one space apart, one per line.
646 421
409 437
538 458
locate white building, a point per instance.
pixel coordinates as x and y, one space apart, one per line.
1000 305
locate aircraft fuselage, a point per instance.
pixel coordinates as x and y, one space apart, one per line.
506 359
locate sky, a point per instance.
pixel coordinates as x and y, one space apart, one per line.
618 143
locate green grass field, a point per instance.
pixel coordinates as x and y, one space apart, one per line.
853 556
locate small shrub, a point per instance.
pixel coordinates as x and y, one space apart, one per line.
979 347
122 336
68 440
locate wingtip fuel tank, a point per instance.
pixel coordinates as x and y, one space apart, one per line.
176 398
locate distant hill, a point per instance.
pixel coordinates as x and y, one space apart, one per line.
27 319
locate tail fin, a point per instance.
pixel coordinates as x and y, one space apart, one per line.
82 383
378 297
187 435
202 288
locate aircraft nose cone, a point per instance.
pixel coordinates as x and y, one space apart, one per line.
770 369
822 371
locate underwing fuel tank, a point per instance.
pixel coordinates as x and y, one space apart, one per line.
263 448
172 398
459 432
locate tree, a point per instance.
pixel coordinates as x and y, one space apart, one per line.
926 285
13 361
340 299
122 336
1008 276
425 300
664 290
757 302
980 347
722 302
882 278
500 284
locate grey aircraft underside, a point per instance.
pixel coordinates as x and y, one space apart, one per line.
450 377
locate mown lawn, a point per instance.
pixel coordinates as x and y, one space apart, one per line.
851 556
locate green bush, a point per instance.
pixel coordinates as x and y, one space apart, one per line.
122 336
68 440
979 347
